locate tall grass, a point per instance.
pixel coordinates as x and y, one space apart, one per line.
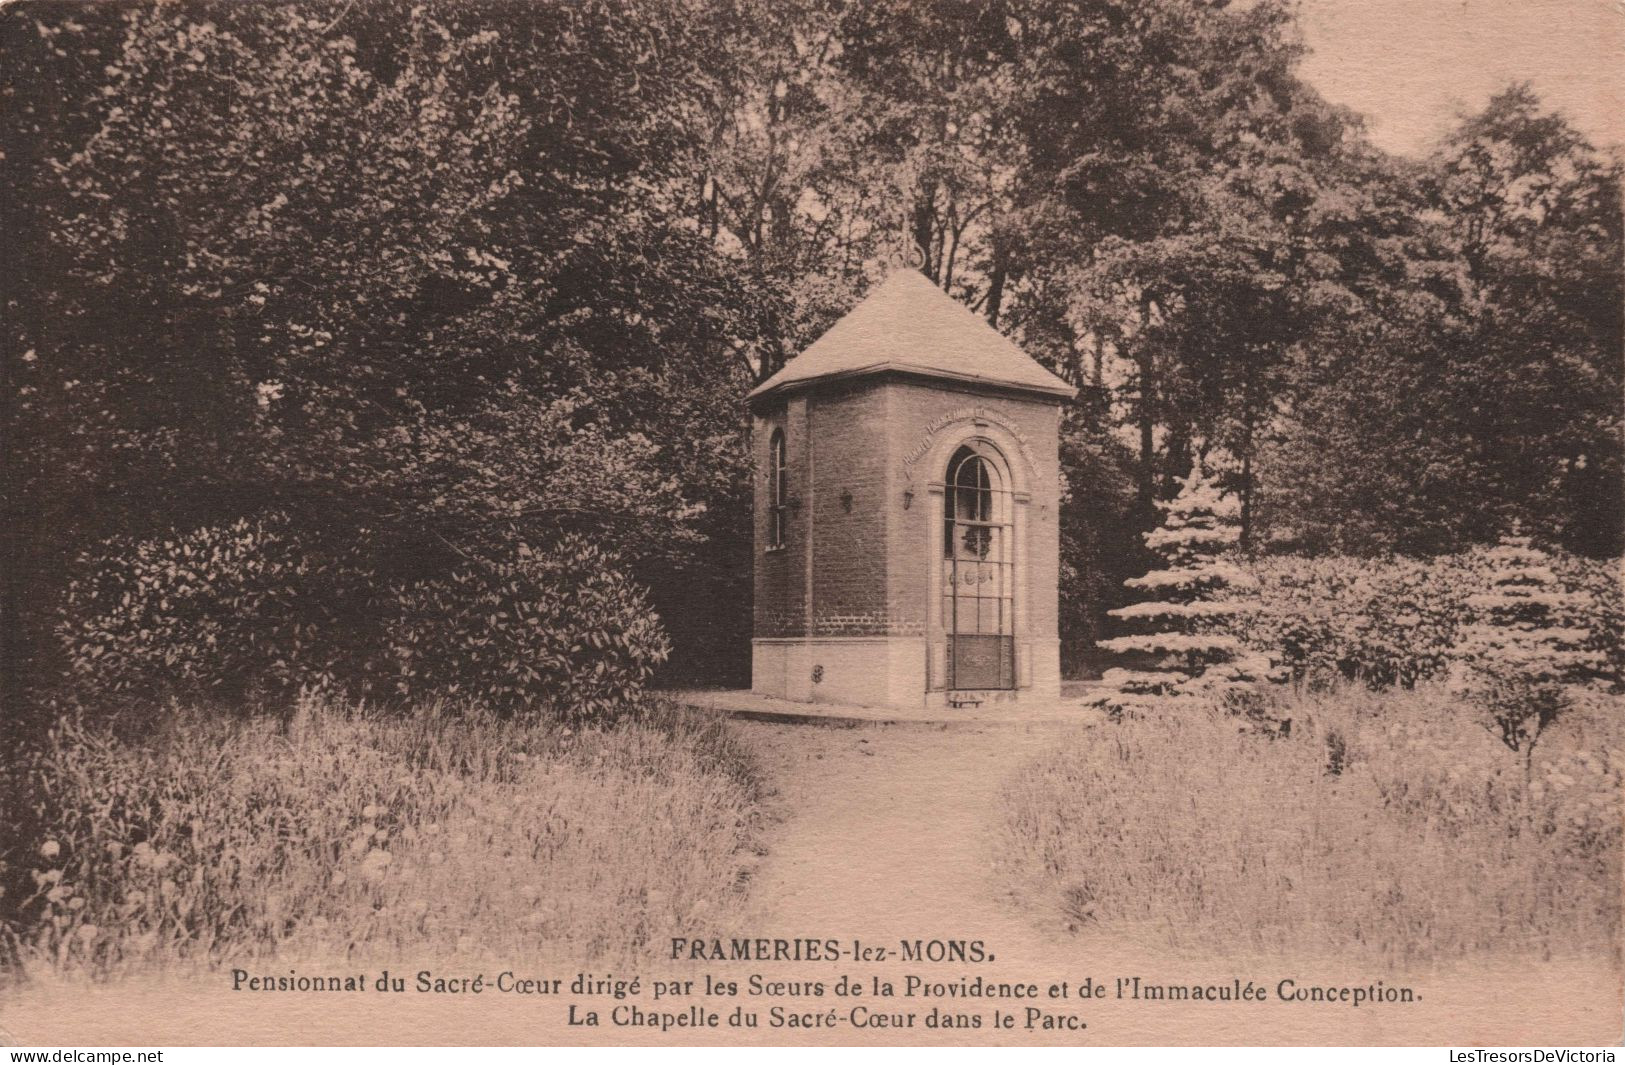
1385 826
343 833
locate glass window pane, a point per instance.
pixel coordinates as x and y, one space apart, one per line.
965 615
965 505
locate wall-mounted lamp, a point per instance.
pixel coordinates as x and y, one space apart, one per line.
908 498
846 499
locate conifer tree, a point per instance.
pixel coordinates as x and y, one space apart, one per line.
1184 616
1521 650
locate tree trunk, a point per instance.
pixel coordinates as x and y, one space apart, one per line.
1147 369
1249 416
923 226
995 290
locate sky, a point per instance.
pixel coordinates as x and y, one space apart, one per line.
1410 65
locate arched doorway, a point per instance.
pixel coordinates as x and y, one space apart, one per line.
978 578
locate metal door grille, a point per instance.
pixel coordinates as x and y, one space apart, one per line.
978 584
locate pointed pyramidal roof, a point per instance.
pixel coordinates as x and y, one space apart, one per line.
907 325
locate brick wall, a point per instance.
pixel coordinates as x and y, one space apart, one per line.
848 512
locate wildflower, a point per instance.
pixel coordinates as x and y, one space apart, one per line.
76 903
87 932
369 811
50 849
339 879
374 864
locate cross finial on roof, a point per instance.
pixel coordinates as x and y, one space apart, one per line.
906 252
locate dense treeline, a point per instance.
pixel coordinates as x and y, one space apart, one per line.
433 290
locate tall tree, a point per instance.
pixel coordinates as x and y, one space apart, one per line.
1468 375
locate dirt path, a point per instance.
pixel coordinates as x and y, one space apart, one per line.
890 832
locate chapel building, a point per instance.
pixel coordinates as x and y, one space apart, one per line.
906 511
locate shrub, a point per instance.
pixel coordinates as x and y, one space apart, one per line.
1398 621
1522 650
251 608
218 610
351 834
1185 613
563 633
1384 623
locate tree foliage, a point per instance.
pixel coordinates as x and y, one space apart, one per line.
462 275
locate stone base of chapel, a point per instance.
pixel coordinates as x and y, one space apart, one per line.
889 671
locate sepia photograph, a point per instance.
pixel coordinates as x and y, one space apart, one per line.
833 523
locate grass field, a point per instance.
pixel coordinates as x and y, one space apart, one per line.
347 834
1385 827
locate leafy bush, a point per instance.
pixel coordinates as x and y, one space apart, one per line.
1398 621
219 610
565 633
251 608
349 834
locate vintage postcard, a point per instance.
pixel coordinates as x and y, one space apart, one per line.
812 522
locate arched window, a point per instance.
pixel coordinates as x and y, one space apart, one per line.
978 586
778 490
969 511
